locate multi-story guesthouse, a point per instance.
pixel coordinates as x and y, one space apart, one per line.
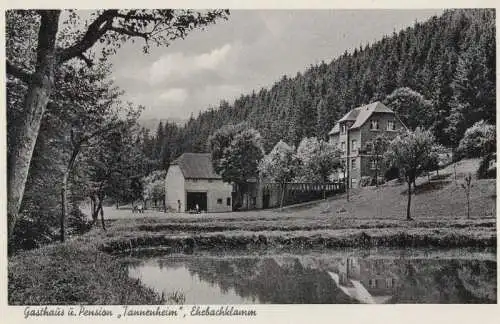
191 181
354 134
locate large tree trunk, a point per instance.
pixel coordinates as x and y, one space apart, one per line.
102 214
64 194
408 216
26 133
95 209
63 207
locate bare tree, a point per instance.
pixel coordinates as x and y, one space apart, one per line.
467 185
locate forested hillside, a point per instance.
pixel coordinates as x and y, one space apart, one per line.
449 59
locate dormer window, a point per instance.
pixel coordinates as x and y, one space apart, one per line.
391 126
374 124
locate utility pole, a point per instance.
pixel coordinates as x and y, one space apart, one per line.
348 182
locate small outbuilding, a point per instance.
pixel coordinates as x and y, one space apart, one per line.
191 181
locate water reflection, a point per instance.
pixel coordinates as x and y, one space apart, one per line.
312 279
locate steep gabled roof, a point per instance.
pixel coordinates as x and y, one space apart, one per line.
360 115
196 166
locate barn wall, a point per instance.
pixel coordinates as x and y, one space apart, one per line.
174 188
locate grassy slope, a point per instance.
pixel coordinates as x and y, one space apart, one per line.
78 272
440 199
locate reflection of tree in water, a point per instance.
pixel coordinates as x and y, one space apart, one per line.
171 263
446 281
268 282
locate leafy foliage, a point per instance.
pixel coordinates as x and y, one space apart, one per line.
379 147
280 164
410 153
413 109
317 160
236 153
478 140
154 185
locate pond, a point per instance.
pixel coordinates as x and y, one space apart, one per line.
323 277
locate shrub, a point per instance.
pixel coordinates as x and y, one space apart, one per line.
380 181
370 181
391 174
29 234
478 140
365 181
78 222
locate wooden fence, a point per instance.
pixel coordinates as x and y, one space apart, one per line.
295 193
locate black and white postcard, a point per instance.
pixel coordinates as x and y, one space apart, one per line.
193 164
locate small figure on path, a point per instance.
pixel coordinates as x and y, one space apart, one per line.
178 206
197 209
138 208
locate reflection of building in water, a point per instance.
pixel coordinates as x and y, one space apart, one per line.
366 280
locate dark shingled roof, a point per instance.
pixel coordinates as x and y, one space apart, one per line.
196 166
360 115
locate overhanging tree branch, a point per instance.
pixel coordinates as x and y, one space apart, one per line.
18 72
129 32
86 60
94 32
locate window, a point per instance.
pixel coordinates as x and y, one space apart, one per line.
353 145
342 147
343 129
369 147
353 164
374 124
390 125
228 201
389 282
372 283
219 201
373 165
353 183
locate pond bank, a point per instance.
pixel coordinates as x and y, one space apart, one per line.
69 274
346 238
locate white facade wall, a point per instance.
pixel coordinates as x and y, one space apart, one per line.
215 189
174 188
